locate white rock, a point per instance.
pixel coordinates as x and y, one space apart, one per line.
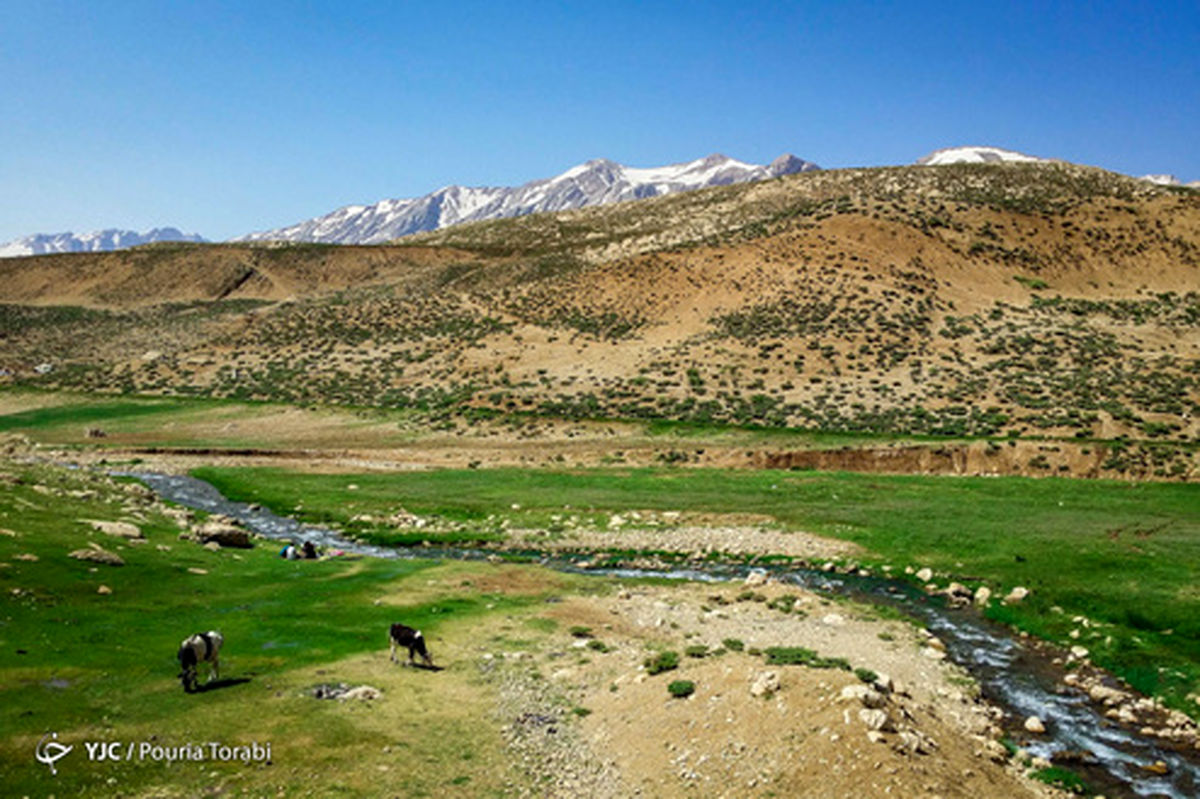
1034 724
876 719
765 683
756 578
925 574
1016 595
982 595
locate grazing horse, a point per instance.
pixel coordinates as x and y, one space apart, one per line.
399 635
199 648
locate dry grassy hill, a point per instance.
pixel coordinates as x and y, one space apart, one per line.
1011 299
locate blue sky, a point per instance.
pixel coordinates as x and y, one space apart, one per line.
226 117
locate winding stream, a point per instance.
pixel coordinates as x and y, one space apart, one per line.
1019 680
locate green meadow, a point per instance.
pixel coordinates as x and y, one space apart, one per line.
1123 555
92 666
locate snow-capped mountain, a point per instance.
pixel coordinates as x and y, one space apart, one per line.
592 183
112 239
973 155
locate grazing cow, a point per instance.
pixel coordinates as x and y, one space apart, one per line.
400 635
199 648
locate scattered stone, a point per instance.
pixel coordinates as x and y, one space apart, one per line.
764 684
1034 724
26 556
912 742
1157 767
869 697
104 589
194 570
994 750
1016 595
925 574
876 737
1079 652
116 529
833 620
756 578
97 555
364 692
213 546
876 719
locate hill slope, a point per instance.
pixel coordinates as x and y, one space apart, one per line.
996 299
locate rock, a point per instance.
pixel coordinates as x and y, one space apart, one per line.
365 692
97 555
764 684
224 536
1157 767
1034 724
756 578
869 697
213 546
994 751
983 595
116 529
1016 595
958 594
912 742
29 557
1079 652
925 574
884 683
876 737
104 589
194 570
933 654
833 620
876 719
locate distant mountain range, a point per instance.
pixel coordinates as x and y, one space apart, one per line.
112 239
595 182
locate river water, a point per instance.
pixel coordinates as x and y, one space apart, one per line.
1016 678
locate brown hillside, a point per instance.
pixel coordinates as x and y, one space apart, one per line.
975 300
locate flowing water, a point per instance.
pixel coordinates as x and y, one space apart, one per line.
1019 680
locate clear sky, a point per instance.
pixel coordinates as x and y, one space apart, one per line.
226 117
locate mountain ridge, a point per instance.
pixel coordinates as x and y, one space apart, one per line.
95 241
596 182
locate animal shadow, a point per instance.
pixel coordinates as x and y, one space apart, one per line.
216 685
425 667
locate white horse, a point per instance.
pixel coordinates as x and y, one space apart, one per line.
199 648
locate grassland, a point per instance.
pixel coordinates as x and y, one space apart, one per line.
100 667
1122 556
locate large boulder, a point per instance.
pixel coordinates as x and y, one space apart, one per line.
224 534
97 555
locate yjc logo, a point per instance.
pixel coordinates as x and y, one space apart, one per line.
51 751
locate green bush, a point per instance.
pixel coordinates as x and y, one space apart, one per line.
682 688
866 675
663 661
733 644
799 656
696 651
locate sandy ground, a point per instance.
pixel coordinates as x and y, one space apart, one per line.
803 739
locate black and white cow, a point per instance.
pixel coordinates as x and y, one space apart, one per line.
400 635
196 649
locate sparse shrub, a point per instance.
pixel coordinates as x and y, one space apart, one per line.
733 644
681 688
696 651
663 661
866 675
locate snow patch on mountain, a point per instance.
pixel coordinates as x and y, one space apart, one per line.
595 182
974 155
96 241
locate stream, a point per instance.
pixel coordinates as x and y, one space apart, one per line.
1016 678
